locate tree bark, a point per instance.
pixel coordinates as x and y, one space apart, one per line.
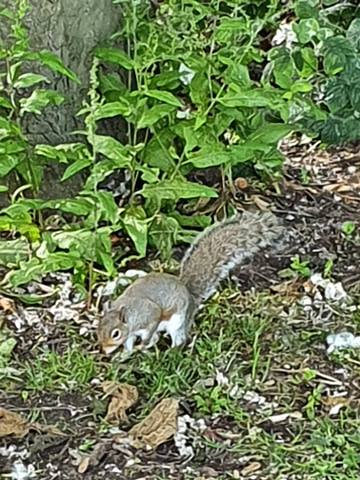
71 29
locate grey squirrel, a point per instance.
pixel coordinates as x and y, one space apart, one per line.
160 302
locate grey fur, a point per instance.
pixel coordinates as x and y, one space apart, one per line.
220 248
160 302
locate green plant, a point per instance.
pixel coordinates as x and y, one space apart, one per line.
348 228
187 94
320 61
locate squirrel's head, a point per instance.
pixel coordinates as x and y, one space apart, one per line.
112 330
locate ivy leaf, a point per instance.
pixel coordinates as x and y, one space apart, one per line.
337 53
164 96
116 56
38 100
176 189
306 29
307 8
353 33
283 67
29 79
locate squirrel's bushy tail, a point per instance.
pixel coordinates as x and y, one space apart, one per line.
223 246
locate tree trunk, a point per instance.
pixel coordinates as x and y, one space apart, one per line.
71 29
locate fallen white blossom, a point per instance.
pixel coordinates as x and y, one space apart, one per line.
341 341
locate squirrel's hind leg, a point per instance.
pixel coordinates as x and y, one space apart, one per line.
176 327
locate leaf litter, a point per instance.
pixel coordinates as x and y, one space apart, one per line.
13 424
123 396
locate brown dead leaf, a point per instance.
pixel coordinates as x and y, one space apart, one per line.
158 427
290 288
335 404
14 424
124 396
7 305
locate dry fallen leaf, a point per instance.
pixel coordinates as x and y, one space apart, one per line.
158 427
335 404
12 423
7 305
124 396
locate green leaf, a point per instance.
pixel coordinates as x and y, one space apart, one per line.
115 55
201 221
112 149
154 114
270 133
54 63
301 86
176 189
338 51
354 94
249 98
12 147
307 8
136 226
13 251
32 176
306 29
199 90
106 206
7 164
77 206
164 96
353 33
4 103
113 109
337 95
3 188
156 152
210 156
76 167
38 100
163 234
283 67
29 79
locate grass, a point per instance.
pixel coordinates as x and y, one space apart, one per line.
255 356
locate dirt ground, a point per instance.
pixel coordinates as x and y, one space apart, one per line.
260 397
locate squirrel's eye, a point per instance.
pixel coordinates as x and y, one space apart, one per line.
116 334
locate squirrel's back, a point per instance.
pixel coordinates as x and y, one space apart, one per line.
223 246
